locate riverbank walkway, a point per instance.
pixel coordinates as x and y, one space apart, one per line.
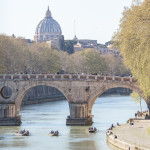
137 135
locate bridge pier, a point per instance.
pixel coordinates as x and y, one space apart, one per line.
79 114
8 115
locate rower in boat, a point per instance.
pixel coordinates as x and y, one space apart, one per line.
92 130
54 133
24 133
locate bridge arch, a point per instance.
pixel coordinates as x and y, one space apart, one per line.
22 93
101 90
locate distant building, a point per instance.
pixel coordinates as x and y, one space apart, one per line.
84 44
48 30
88 42
29 41
78 47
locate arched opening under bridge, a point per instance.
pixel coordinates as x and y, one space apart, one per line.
42 103
111 108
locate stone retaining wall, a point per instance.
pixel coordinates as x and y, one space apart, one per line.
123 145
41 92
37 101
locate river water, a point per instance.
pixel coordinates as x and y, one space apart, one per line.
39 119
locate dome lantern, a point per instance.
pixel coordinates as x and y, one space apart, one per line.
48 13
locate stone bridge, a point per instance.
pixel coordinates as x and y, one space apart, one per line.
80 91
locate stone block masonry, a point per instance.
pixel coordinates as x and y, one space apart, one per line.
80 91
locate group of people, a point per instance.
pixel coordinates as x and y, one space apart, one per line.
24 132
141 114
109 132
54 132
92 129
111 127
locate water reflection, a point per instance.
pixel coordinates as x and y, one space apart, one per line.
80 138
81 145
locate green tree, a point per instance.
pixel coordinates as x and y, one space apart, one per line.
95 63
14 54
79 63
133 40
108 43
44 59
18 56
62 42
136 98
115 65
69 46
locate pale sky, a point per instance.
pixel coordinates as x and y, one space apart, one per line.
92 19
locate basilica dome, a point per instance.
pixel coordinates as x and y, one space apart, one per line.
47 29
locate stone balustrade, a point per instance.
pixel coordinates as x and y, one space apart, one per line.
64 77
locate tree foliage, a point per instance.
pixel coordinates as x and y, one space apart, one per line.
95 63
115 65
18 56
69 46
133 40
136 98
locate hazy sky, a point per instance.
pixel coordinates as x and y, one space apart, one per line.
93 19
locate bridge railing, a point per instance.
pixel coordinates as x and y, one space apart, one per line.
64 77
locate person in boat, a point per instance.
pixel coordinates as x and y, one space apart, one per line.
95 129
27 132
90 128
56 132
24 131
21 132
52 132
